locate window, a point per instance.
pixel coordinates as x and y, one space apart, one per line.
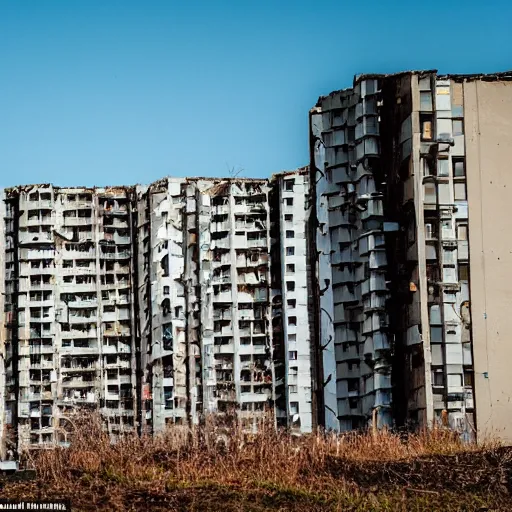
457 127
292 320
462 231
468 378
292 355
292 388
426 127
458 167
168 399
292 338
290 286
459 191
288 184
430 193
431 230
438 379
291 303
290 251
166 290
426 101
443 167
290 234
294 407
288 217
289 201
290 268
463 272
353 385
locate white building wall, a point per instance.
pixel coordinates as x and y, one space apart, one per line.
293 192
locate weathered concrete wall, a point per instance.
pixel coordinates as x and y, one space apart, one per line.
488 125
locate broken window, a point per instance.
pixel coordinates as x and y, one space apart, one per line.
290 251
292 355
292 320
290 268
289 201
288 184
290 286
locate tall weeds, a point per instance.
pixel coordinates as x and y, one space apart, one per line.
332 468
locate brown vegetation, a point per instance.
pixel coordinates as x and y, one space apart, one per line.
211 469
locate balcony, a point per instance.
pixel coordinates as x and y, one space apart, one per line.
119 255
83 304
227 348
78 221
77 382
35 238
80 334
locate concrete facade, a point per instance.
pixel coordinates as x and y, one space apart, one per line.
68 298
153 304
206 285
398 230
351 265
487 106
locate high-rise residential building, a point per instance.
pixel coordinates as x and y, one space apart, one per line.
215 334
412 257
68 334
155 305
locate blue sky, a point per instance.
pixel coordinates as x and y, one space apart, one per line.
108 92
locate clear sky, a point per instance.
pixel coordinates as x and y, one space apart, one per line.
98 92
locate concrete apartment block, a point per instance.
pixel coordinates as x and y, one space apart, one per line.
411 180
154 305
69 335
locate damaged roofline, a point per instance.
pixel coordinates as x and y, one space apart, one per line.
489 77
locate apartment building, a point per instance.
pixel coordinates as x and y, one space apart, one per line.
209 336
68 334
155 305
410 196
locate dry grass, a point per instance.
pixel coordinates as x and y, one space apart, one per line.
214 468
